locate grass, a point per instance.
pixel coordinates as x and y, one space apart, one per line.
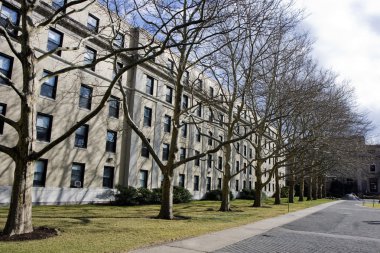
98 228
371 204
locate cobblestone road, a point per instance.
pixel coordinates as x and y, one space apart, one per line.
345 227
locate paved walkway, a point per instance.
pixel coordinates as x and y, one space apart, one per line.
234 239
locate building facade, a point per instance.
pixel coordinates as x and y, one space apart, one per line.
104 152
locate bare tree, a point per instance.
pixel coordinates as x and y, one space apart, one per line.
20 38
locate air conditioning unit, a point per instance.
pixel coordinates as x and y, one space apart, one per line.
78 184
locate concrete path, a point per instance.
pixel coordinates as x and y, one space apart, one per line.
222 240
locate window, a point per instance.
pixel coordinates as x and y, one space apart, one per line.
92 23
220 163
116 70
269 187
245 168
165 152
219 183
167 123
144 150
3 109
211 92
171 66
147 116
199 110
245 150
196 183
221 138
208 184
77 175
9 18
81 136
149 85
56 4
372 168
237 166
237 185
55 39
250 185
221 119
118 41
199 84
237 147
373 184
211 116
143 178
113 107
186 77
209 161
6 65
44 123
209 139
90 57
184 130
85 97
185 102
108 175
250 153
244 184
181 180
250 170
197 160
111 141
49 87
40 173
198 135
182 153
169 94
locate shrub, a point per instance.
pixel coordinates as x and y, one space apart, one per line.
284 192
247 194
126 196
144 196
181 195
216 195
156 196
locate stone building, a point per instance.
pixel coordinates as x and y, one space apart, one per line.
104 152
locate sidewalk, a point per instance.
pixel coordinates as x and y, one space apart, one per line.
217 240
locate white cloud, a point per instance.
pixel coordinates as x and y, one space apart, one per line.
347 36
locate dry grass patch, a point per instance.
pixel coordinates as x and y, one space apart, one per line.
97 228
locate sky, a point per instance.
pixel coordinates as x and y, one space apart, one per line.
347 40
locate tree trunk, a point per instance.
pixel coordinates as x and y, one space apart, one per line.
166 210
310 191
19 219
324 188
225 206
320 190
277 193
291 189
315 188
258 188
302 189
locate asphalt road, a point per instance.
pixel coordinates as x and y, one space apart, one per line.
345 227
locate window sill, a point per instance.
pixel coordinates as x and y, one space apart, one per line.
47 98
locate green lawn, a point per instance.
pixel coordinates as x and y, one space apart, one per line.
95 228
369 203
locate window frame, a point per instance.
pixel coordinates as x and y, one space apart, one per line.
89 26
143 182
43 175
50 42
167 123
182 153
196 182
87 60
5 25
83 167
169 97
46 84
165 151
49 129
78 137
108 182
122 40
147 122
2 122
149 85
9 71
144 149
181 180
111 146
82 98
114 111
